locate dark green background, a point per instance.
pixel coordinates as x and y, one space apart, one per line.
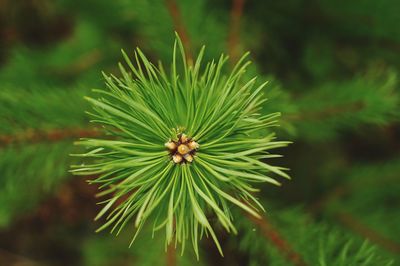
333 69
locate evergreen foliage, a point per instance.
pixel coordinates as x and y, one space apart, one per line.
332 68
151 111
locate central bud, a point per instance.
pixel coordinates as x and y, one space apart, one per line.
183 149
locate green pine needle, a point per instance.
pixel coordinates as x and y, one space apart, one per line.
185 145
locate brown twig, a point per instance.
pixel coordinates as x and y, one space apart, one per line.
179 26
171 250
171 255
234 33
16 259
272 234
357 226
54 135
328 112
329 197
350 221
344 189
80 65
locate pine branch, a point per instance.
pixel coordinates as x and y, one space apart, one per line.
184 147
179 26
33 112
365 176
366 99
357 226
11 258
327 113
234 33
171 255
79 65
42 165
315 243
53 135
272 234
347 188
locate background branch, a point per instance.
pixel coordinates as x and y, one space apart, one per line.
273 235
179 26
234 33
54 135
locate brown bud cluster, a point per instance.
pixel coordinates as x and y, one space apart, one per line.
182 150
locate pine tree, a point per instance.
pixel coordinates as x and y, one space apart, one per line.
331 69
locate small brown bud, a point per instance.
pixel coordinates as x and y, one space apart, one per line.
170 145
177 158
193 145
183 149
188 158
184 138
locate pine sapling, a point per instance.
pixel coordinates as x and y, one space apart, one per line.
180 147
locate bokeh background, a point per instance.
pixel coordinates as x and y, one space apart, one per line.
332 66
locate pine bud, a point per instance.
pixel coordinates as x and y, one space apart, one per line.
188 158
183 149
184 138
177 158
170 145
193 145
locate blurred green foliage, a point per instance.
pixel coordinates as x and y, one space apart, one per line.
332 66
